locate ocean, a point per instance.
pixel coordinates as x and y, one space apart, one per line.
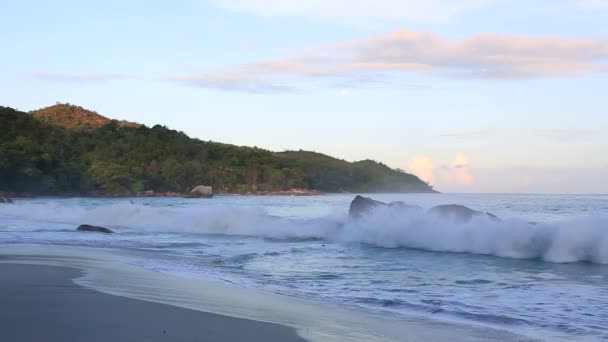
541 271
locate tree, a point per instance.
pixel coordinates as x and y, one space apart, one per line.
111 177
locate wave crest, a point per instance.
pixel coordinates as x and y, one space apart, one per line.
580 239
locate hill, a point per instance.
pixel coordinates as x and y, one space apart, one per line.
336 175
71 116
48 152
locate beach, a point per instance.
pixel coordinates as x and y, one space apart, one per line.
311 171
42 303
301 263
88 291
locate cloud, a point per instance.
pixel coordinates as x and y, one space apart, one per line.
234 82
383 58
556 134
461 176
457 173
471 134
423 167
343 10
568 134
50 76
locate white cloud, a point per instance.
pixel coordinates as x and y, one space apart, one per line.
382 57
423 167
461 176
568 135
413 10
456 174
231 81
565 135
51 76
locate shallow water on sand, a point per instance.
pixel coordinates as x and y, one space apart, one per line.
548 279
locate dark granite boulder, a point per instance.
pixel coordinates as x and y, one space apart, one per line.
5 200
89 228
361 205
457 212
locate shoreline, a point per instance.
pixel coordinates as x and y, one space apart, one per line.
108 271
66 311
170 195
311 193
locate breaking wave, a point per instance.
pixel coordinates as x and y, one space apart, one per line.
573 240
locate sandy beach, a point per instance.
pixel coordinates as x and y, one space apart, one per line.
91 294
42 303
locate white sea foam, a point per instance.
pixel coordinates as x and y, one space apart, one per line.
571 240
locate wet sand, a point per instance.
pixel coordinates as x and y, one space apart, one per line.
42 303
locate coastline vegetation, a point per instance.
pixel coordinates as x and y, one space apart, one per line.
68 150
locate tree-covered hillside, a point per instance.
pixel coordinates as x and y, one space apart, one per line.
336 175
41 157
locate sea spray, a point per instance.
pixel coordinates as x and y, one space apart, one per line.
569 240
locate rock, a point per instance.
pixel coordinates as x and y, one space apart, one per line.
89 228
147 193
172 194
493 217
403 205
202 191
361 205
5 200
458 212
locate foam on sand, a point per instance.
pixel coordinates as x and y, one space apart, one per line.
313 321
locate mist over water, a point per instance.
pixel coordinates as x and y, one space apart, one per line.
577 238
541 269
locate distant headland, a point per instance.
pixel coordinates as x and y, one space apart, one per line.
66 150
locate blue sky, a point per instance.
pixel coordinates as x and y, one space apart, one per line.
471 95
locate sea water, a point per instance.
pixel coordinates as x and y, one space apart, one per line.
541 270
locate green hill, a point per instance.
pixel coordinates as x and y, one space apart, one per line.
336 175
68 150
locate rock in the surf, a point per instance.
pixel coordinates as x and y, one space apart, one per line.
202 191
361 205
89 228
5 200
458 213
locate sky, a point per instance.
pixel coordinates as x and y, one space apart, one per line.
473 96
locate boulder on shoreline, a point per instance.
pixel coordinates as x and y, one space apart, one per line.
361 205
202 191
89 228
